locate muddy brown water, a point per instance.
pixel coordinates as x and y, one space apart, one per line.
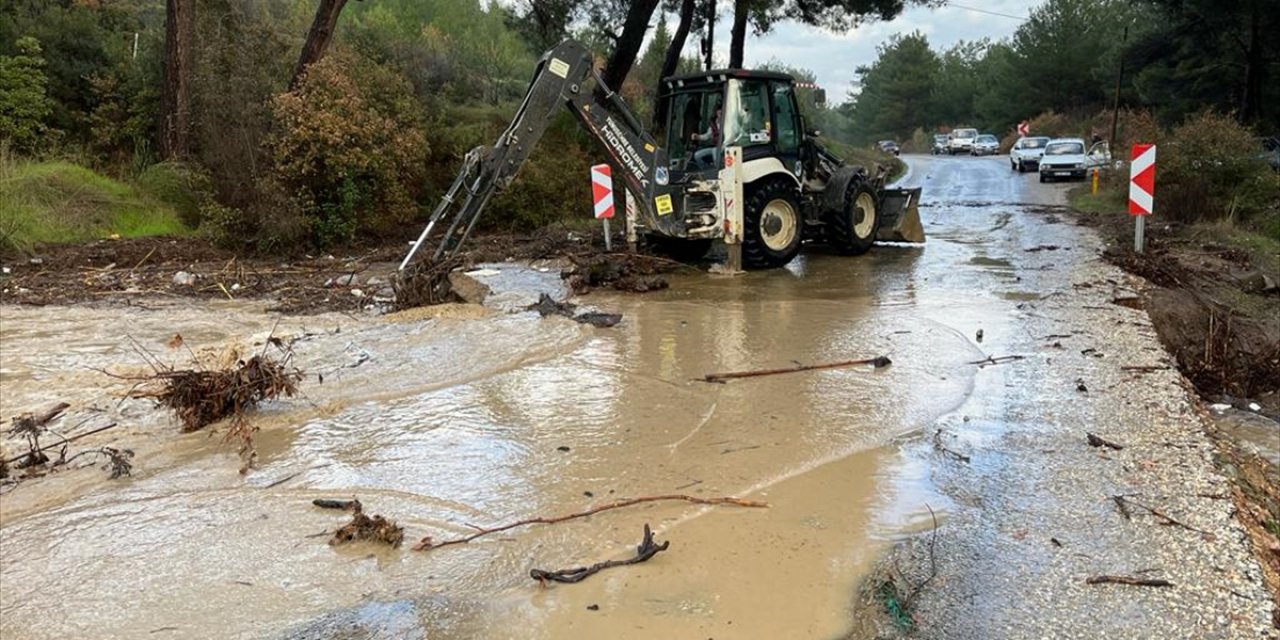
459 419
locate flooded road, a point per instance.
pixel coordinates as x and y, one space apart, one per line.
446 422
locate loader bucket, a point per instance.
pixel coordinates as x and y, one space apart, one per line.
900 216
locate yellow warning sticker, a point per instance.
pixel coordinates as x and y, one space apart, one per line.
559 67
664 204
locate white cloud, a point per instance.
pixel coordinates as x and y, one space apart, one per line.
834 56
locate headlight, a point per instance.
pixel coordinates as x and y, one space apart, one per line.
1079 165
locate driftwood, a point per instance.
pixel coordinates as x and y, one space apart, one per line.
1123 501
937 444
427 543
1096 441
1129 580
996 360
878 362
645 550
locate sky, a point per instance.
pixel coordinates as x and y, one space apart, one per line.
834 56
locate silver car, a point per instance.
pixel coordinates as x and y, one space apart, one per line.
1026 152
1063 158
985 145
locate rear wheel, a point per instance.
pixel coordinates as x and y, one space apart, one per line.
852 230
771 225
681 249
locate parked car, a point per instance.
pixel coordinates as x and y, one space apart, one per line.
1270 151
961 141
1026 152
939 143
889 146
1063 158
985 145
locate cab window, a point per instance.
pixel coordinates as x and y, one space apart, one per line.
751 124
786 118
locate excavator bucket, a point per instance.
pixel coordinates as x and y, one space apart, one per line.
900 216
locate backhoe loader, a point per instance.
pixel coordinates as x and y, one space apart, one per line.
738 166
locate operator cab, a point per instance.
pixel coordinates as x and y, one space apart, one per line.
756 110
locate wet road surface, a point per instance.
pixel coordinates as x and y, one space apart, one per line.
448 422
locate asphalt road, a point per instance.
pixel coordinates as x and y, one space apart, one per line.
1030 511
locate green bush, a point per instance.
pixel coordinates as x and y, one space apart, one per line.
1209 170
181 186
553 185
24 100
350 147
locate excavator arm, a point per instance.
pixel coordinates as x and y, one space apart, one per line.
559 81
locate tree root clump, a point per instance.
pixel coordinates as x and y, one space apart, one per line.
424 283
200 398
363 527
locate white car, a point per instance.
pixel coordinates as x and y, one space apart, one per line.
985 145
961 141
1063 158
1026 152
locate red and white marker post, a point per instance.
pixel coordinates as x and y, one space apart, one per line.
1024 128
602 195
1142 189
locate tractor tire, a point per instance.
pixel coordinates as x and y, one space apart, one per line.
679 249
852 231
772 224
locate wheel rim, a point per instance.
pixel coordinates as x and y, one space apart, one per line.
864 207
778 225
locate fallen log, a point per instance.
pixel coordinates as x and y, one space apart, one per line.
645 550
877 362
427 543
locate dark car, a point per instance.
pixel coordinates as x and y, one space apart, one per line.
1271 151
889 146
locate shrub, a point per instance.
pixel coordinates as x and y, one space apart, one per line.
349 145
24 100
552 186
181 186
1209 169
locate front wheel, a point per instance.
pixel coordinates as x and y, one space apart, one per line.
852 230
771 225
1043 178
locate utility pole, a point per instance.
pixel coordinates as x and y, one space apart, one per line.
1115 109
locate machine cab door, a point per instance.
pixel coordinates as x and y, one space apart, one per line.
787 126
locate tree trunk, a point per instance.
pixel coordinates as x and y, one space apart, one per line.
628 44
175 99
739 33
1255 67
678 39
708 43
672 60
318 39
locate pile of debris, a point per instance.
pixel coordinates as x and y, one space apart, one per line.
200 397
362 527
632 272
